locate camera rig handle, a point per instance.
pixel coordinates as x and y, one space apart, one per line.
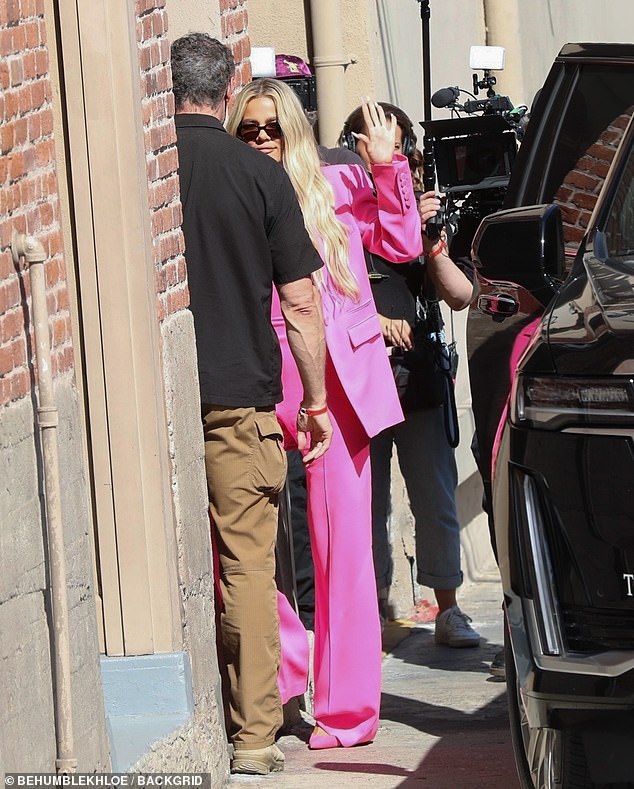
488 81
434 225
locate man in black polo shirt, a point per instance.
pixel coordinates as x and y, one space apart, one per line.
244 232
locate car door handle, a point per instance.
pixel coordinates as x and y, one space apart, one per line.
498 305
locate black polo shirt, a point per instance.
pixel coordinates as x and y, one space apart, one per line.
243 231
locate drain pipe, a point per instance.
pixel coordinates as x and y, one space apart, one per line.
502 28
330 65
29 248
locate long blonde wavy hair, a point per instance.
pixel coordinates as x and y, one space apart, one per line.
300 159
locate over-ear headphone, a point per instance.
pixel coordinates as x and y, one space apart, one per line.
408 146
408 140
346 138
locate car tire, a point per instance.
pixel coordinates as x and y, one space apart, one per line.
545 758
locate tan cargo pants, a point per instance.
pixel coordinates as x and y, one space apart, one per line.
246 470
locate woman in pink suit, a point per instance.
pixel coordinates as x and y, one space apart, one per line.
343 213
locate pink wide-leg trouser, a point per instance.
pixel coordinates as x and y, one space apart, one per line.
347 651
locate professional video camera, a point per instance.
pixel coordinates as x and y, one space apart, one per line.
471 153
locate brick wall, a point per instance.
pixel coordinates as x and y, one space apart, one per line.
161 156
28 195
160 137
580 188
234 23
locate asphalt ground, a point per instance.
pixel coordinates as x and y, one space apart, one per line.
444 722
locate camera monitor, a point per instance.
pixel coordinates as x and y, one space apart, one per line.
472 153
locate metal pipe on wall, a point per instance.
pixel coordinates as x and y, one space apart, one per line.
29 248
502 28
329 63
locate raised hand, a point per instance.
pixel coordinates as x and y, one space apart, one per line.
381 133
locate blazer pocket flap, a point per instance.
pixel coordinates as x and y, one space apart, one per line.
364 331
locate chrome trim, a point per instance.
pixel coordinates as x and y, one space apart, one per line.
600 431
604 664
544 574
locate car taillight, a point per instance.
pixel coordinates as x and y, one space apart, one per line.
552 403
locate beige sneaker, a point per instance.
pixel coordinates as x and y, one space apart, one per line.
260 761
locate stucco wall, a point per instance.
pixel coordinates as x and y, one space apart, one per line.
533 33
27 732
384 39
30 203
189 17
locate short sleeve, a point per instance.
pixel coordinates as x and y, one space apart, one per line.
292 252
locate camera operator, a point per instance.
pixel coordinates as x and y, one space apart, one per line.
426 459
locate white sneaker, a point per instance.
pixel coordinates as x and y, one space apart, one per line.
453 629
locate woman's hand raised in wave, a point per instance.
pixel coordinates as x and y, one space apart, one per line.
381 133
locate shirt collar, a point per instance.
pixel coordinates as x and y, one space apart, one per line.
191 119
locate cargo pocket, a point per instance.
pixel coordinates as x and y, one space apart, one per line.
268 461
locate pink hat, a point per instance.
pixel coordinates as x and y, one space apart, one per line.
291 66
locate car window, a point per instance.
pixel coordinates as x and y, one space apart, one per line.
619 228
593 123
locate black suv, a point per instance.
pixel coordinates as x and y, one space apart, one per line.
551 361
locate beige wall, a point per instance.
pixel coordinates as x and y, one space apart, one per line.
383 38
189 17
533 33
286 32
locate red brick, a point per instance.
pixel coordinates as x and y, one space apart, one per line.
598 168
35 126
60 331
41 58
20 384
569 214
623 120
13 11
11 104
16 165
9 294
33 34
46 117
16 71
18 38
584 200
6 359
19 352
582 180
62 295
39 92
574 234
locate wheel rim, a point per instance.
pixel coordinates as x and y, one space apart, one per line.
543 751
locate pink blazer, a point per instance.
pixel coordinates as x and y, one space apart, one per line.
386 223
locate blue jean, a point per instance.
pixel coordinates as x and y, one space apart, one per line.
428 466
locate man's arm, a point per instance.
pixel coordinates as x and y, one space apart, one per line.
305 331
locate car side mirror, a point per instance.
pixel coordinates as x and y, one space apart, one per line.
525 246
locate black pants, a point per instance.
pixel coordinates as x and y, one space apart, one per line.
304 573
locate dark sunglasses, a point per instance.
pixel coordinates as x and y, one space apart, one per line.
249 132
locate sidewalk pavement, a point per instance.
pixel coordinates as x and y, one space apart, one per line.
443 719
